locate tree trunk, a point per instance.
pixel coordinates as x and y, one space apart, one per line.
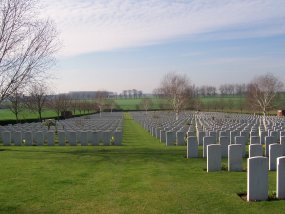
177 115
17 118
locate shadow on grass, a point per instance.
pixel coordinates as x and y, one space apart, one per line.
116 153
271 196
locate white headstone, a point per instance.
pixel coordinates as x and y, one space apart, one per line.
50 138
213 157
242 141
268 140
170 138
106 135
180 138
6 138
275 151
254 140
280 178
224 142
17 138
28 138
257 179
95 138
72 141
118 138
39 138
192 147
255 150
201 136
282 142
235 158
61 138
83 138
207 141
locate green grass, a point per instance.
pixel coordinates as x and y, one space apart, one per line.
134 104
142 176
6 114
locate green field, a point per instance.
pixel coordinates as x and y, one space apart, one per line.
142 176
213 103
134 104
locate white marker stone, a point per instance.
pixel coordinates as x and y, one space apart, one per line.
207 141
255 150
192 147
224 142
275 151
257 179
280 178
213 157
235 158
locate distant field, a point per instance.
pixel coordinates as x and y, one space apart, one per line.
134 104
229 103
6 114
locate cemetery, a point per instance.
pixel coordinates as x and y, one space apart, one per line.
225 160
148 107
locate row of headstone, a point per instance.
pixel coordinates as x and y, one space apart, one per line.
72 138
254 128
113 122
235 155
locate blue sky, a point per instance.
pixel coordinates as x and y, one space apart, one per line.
116 45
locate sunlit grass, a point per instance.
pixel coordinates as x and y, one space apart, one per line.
142 176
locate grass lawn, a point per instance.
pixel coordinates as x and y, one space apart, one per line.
142 176
134 104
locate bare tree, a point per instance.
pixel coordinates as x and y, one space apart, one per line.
27 45
177 89
262 92
37 98
101 97
60 103
146 103
16 104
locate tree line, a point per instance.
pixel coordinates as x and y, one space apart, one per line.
261 94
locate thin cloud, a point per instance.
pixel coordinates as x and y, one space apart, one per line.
90 26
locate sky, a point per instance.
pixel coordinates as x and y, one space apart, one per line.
118 45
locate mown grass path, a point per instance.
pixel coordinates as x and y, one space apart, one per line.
142 176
